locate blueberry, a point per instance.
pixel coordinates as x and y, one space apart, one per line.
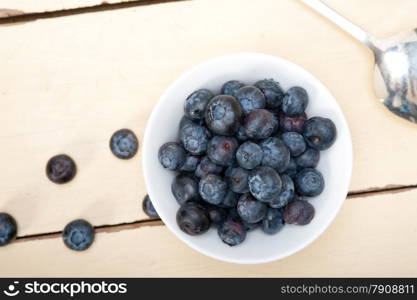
273 221
223 114
237 179
295 124
61 168
251 226
124 144
216 214
309 182
272 91
230 200
184 188
191 163
264 183
8 229
193 219
249 155
194 138
206 166
295 101
250 209
275 154
260 124
213 189
309 159
195 104
222 150
148 208
298 212
230 87
185 121
287 193
292 168
320 133
241 134
78 235
294 142
172 156
250 98
232 232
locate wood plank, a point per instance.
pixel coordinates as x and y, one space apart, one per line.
68 83
370 237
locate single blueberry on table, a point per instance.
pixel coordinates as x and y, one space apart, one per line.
292 168
194 138
185 188
237 179
61 169
206 166
272 91
295 101
264 183
295 143
124 144
309 182
230 87
298 213
249 155
148 208
193 218
8 229
295 124
309 159
287 193
241 134
251 210
216 214
78 235
275 154
213 189
230 200
250 98
260 124
172 156
320 133
223 114
191 163
222 150
195 104
232 232
273 221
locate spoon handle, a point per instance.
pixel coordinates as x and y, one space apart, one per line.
354 30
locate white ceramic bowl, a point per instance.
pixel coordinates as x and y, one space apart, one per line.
335 163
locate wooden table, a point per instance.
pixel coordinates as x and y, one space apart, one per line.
73 72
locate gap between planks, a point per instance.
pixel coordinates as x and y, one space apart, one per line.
10 16
391 189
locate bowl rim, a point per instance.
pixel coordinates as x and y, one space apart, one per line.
325 224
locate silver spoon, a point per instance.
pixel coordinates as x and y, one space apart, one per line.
395 79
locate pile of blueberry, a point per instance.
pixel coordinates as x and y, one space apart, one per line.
246 158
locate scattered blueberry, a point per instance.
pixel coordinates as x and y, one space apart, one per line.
230 200
260 124
124 144
232 232
295 101
272 91
275 154
8 229
172 156
292 168
206 166
195 104
223 114
61 168
264 183
250 209
216 214
309 159
298 213
238 180
287 193
193 219
230 87
249 155
184 188
250 98
78 235
320 133
309 182
294 142
148 208
222 150
191 163
213 189
194 138
273 221
295 124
